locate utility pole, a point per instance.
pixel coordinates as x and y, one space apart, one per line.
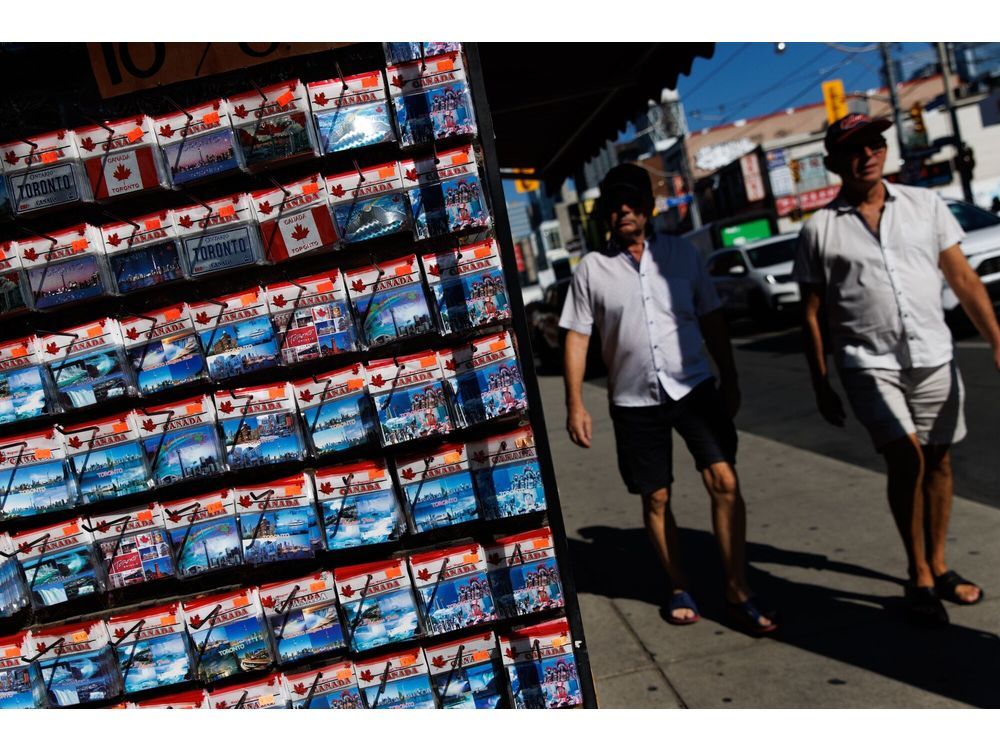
963 156
890 83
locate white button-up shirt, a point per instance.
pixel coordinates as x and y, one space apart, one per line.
647 316
882 293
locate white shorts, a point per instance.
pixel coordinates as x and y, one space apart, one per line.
924 401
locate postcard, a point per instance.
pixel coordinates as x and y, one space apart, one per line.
294 218
399 680
302 617
44 171
121 157
21 683
77 663
278 520
358 504
65 267
465 672
259 426
445 194
378 604
273 124
181 440
484 379
389 301
34 475
143 252
351 112
312 317
13 285
398 52
236 334
163 349
87 364
431 99
13 590
58 563
24 386
524 573
507 475
541 666
264 692
452 588
204 533
218 235
133 545
152 648
468 286
437 487
369 202
409 397
198 143
336 410
330 686
106 457
228 635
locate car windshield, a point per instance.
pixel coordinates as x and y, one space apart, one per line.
772 254
972 217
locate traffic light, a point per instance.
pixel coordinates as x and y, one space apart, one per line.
917 118
794 166
965 161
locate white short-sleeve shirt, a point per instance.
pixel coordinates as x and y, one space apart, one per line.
647 316
882 294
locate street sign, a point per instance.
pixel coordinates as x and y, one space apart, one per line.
835 99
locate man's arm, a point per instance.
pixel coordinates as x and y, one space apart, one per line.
578 422
972 295
827 400
715 332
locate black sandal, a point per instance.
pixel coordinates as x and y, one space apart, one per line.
924 607
946 585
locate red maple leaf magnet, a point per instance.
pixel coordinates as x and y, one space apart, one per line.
122 173
300 232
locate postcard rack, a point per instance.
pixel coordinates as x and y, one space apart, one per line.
263 333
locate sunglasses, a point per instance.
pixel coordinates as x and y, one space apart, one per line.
875 145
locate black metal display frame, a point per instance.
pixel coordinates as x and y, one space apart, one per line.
83 98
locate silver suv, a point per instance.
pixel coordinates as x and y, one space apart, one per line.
756 278
981 246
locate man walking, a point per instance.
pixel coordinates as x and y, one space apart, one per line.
869 265
653 303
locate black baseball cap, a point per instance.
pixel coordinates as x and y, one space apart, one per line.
850 129
626 183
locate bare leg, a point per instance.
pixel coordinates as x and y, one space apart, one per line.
729 520
905 467
938 486
658 517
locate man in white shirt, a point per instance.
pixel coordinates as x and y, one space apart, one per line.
653 303
870 265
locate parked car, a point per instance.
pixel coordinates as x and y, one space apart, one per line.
547 337
981 246
756 278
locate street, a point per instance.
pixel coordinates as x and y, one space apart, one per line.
821 546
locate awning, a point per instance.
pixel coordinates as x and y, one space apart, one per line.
555 105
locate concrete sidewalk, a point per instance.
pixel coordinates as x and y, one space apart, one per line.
822 548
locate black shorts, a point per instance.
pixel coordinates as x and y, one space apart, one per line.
643 436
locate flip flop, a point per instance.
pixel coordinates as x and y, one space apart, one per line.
746 615
946 585
924 607
681 600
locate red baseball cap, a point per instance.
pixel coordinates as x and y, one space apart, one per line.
852 127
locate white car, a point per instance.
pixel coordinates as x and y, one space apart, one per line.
981 246
756 278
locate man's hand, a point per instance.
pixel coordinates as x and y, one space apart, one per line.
829 403
996 358
729 389
579 425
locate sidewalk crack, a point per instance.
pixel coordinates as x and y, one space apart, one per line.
649 654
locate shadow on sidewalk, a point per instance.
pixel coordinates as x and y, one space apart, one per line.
864 630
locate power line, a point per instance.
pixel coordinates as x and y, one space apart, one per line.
721 65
